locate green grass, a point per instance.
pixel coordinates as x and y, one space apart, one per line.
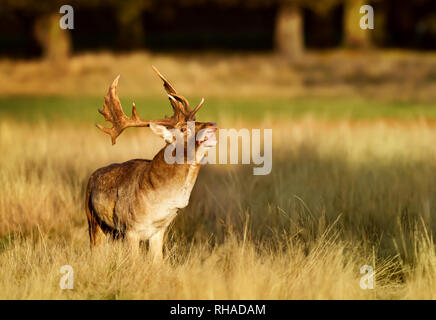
85 108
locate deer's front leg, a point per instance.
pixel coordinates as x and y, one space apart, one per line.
156 245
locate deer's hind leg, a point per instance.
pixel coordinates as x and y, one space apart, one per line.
96 234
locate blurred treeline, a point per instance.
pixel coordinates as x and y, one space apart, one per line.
30 28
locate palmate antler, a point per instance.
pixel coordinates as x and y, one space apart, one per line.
178 102
113 111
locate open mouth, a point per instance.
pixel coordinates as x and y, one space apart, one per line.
209 138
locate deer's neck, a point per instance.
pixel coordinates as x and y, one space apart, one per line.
175 180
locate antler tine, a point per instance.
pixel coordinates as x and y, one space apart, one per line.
113 112
167 85
184 108
184 101
192 114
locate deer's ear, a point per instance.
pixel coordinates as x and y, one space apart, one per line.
162 131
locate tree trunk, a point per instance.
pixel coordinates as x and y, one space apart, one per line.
54 41
354 36
132 33
380 37
289 31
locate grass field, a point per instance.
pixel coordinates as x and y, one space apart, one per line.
353 183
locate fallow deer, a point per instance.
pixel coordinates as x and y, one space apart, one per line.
137 200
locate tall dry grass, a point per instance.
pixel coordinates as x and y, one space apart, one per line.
340 195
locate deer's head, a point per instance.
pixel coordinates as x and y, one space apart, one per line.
181 123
